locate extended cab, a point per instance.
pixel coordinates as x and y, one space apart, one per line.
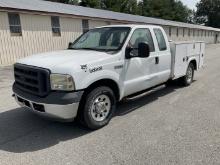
100 68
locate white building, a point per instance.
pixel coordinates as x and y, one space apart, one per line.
33 26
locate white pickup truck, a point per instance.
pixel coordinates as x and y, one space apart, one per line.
100 68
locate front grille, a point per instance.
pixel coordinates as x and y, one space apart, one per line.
31 79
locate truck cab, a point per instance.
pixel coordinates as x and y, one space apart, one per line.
100 68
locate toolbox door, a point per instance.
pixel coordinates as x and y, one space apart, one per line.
180 62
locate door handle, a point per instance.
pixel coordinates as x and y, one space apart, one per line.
157 60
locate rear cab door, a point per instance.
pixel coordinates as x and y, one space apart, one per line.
162 55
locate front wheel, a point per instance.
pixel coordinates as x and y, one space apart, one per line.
99 107
188 78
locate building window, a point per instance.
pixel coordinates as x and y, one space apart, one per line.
170 31
14 24
189 32
177 32
55 23
85 25
183 32
194 31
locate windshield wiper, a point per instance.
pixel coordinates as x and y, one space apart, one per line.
71 48
88 48
94 49
82 48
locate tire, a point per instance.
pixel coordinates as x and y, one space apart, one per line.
169 83
188 78
98 108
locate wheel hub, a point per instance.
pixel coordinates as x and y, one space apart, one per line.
101 108
189 74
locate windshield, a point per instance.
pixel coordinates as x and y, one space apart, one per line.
103 39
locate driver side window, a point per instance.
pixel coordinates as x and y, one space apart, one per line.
141 35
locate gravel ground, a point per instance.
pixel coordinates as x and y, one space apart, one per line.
171 125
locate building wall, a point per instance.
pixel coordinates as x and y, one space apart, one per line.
9 45
37 35
195 34
218 37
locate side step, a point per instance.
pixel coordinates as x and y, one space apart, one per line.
143 93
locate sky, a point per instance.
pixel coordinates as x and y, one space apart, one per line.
190 3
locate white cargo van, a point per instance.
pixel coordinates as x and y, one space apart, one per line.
100 68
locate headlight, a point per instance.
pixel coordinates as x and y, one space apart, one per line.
62 82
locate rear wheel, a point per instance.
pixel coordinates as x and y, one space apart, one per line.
98 108
188 78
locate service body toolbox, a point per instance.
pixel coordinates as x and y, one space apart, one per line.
183 51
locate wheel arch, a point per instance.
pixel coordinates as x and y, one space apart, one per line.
104 82
195 63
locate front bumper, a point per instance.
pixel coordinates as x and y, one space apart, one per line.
57 105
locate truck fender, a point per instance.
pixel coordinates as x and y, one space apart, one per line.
194 60
94 77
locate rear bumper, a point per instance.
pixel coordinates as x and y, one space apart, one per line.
57 105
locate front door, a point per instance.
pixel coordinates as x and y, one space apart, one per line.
140 72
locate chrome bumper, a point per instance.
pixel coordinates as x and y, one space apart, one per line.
60 112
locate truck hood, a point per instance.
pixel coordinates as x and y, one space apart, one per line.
68 57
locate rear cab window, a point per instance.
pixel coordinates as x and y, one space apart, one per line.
160 39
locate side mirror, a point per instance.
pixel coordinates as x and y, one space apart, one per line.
128 52
143 50
70 45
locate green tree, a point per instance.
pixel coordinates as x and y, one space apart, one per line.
123 6
91 3
165 9
73 2
181 12
112 5
208 13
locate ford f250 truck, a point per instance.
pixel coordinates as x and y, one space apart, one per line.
100 68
